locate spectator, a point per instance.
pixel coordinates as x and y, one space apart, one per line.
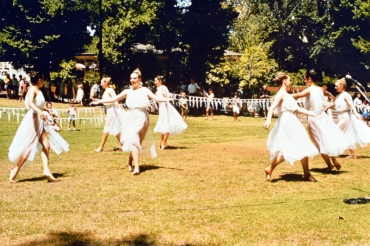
209 106
184 106
358 103
95 91
7 85
181 87
265 94
22 88
52 117
46 89
68 90
192 88
80 95
72 111
14 88
236 106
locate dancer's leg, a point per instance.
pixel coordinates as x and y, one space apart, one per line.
15 170
44 141
135 158
336 163
327 161
353 154
306 172
118 136
268 170
164 138
103 141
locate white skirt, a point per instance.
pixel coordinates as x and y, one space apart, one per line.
169 120
26 140
289 139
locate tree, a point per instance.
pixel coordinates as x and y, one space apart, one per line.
40 34
206 25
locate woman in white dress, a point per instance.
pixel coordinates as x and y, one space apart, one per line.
114 112
327 136
349 120
169 121
288 140
34 134
80 95
236 104
135 122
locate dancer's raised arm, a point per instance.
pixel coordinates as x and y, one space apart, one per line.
120 96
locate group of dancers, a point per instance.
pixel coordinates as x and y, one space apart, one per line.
289 141
129 126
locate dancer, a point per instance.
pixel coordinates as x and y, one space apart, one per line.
114 113
350 122
169 121
135 122
288 140
34 134
328 138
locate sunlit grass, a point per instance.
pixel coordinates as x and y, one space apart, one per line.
208 188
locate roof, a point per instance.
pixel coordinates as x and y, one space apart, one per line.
231 53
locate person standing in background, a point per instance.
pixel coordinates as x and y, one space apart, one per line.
236 106
266 95
209 104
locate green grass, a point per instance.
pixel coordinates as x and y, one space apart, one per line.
207 189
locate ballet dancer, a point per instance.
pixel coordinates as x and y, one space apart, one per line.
288 140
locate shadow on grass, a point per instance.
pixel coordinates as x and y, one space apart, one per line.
145 167
56 175
325 171
174 147
357 157
290 177
82 239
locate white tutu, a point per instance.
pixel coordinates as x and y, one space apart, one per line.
169 120
113 123
329 138
289 138
26 140
356 131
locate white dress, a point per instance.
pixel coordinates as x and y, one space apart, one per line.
26 140
328 137
169 119
114 114
134 119
80 94
289 138
356 131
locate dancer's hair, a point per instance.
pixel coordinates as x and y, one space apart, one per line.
35 78
342 82
137 72
280 76
160 77
107 80
313 75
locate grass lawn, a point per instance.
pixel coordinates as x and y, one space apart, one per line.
208 188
